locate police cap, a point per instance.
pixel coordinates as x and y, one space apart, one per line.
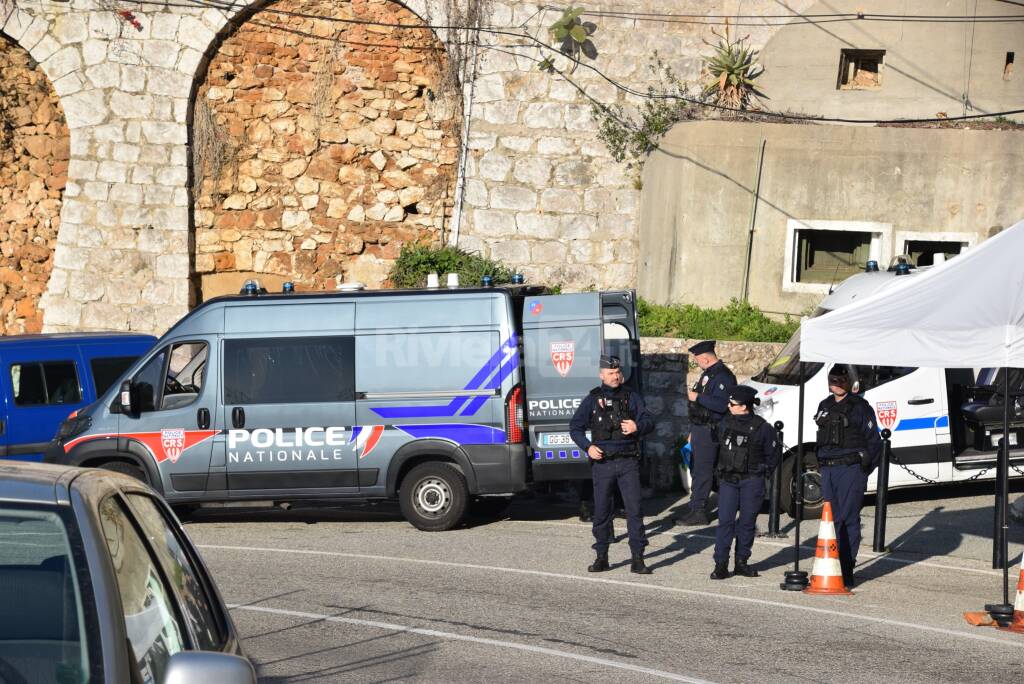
744 395
610 362
705 347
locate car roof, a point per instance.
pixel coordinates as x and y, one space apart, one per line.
42 338
26 481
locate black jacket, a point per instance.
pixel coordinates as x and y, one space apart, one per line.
580 422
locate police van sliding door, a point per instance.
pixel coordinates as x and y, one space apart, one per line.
289 409
562 350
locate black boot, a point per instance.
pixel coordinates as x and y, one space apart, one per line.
721 571
586 514
600 563
741 568
638 565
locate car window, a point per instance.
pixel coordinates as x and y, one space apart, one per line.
163 385
42 628
183 575
290 370
876 376
149 381
45 383
106 371
153 629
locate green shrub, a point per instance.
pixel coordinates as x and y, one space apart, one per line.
417 260
737 321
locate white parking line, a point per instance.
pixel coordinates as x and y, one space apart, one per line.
475 640
869 555
635 585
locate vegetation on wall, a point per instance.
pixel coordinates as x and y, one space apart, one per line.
730 72
736 321
417 260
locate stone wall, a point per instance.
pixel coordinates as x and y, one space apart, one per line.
33 172
321 147
668 371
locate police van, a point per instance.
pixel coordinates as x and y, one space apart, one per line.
443 398
946 424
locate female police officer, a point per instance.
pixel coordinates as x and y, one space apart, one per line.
748 450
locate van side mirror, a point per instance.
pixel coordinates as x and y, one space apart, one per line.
126 396
188 667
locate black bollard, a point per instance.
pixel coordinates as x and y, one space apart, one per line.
882 493
796 579
775 494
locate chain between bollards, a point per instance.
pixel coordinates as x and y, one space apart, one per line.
882 493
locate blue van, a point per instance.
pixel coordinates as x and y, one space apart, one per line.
46 377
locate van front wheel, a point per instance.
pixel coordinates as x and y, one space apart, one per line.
434 496
126 469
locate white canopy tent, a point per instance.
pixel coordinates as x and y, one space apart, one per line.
965 313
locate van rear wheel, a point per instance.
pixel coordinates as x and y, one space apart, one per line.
813 499
434 496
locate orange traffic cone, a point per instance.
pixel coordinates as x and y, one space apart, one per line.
827 573
1018 605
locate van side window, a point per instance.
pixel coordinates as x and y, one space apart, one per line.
876 376
163 385
106 371
45 383
291 370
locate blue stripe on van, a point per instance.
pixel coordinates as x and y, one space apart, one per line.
922 423
460 433
508 358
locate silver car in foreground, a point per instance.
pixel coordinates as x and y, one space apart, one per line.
100 583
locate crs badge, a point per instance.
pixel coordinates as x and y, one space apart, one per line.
173 443
886 412
562 354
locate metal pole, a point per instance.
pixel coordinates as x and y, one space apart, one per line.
776 491
1002 613
796 580
882 493
753 217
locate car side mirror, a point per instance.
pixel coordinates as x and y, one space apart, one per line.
188 667
126 396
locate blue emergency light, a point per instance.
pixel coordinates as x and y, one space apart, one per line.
288 288
487 281
518 279
902 269
251 287
871 267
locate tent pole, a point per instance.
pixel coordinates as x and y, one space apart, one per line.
796 580
1002 613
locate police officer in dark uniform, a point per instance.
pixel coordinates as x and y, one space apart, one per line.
617 419
848 450
708 402
748 450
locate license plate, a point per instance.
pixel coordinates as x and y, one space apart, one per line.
556 439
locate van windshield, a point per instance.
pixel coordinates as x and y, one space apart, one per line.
785 369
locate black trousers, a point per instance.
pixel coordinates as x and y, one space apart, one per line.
622 474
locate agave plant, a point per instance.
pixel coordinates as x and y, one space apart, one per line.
731 71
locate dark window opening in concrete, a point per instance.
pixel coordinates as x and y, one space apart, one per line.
1008 67
923 252
827 256
860 69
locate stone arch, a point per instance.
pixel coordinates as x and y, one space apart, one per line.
34 153
318 146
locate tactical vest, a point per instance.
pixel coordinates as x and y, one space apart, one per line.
737 454
835 429
608 413
699 414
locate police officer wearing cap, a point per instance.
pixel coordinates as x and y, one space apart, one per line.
708 403
616 417
748 451
848 450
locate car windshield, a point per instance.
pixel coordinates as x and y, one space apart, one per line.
42 633
785 369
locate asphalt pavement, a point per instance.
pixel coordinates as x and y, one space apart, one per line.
359 595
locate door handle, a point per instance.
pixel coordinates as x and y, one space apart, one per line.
203 418
918 401
238 417
3 426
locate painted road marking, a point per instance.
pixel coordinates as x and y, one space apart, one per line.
634 585
530 648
